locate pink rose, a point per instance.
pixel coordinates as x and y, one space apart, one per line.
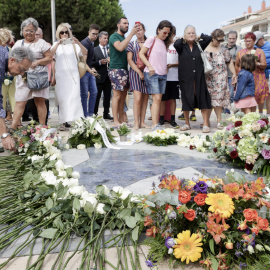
266 154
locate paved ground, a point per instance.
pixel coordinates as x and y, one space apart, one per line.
134 166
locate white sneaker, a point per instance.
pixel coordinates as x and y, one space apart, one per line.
157 127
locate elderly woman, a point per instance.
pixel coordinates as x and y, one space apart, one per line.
8 87
261 85
194 92
66 75
217 79
43 57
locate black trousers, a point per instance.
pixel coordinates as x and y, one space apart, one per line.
106 88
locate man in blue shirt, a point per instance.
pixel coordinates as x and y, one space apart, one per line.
265 46
16 63
88 81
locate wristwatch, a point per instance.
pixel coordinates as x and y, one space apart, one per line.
259 63
4 135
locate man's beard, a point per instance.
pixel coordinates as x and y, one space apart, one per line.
123 30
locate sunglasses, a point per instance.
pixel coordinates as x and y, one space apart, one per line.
220 40
64 32
165 33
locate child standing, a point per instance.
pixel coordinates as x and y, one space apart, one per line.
244 96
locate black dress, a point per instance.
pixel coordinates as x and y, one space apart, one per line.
190 72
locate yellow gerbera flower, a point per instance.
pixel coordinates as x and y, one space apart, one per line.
188 248
220 203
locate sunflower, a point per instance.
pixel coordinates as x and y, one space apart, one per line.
188 248
221 204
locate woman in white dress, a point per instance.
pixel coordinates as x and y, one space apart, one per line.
66 76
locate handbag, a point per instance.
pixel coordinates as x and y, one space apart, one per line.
139 61
81 63
206 64
37 81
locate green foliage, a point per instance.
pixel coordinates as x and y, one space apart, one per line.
123 130
79 13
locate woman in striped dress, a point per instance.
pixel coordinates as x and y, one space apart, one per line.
136 77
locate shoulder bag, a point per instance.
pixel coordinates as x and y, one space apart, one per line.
81 63
37 80
206 64
139 62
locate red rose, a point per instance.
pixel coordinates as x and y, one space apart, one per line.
200 199
215 149
190 214
234 154
263 223
191 147
250 214
249 167
266 121
238 123
237 137
184 196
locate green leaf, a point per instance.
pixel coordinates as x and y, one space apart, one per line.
76 204
147 211
211 245
88 209
214 263
27 179
135 234
69 171
49 203
48 233
138 217
131 222
125 212
150 203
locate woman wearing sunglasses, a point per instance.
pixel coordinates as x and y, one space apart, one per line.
217 79
65 75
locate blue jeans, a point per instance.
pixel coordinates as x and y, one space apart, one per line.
155 84
231 89
88 83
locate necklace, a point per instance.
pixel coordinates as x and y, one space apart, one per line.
140 41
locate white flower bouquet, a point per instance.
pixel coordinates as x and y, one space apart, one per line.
161 137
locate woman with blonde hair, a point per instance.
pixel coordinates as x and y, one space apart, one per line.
66 76
8 87
194 92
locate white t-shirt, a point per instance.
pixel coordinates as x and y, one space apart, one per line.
158 56
172 58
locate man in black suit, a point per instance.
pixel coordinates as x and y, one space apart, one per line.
103 83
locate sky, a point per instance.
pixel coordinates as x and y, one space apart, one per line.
205 15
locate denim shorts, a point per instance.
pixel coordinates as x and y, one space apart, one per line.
119 79
155 84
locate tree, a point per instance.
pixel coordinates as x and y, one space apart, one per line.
78 13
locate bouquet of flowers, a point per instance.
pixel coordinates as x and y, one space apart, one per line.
8 79
84 132
161 137
123 130
201 143
28 139
221 226
245 142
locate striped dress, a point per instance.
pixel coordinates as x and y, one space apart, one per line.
135 82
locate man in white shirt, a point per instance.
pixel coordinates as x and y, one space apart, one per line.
103 82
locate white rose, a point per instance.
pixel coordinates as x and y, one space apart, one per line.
35 158
117 189
47 143
100 209
98 145
6 82
67 146
252 51
250 249
75 175
125 194
67 166
59 165
76 190
70 182
53 157
49 178
81 146
88 197
106 190
73 131
62 174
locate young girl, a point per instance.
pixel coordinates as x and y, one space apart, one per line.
244 96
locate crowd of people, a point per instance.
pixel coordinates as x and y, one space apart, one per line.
160 68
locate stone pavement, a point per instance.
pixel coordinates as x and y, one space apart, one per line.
135 167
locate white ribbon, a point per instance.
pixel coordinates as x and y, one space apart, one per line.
46 133
103 134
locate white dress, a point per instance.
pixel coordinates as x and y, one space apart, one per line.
67 88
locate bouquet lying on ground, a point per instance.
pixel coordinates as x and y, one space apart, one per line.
219 225
199 142
84 131
161 137
245 142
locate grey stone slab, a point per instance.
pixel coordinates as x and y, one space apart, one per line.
74 157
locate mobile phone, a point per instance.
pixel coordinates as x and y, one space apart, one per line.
67 41
137 23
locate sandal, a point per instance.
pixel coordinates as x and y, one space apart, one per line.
201 125
219 126
185 127
205 129
150 118
11 130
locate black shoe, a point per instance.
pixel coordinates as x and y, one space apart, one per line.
67 125
107 116
26 119
2 149
161 122
181 117
174 124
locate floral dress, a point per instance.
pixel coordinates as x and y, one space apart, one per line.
217 79
261 85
